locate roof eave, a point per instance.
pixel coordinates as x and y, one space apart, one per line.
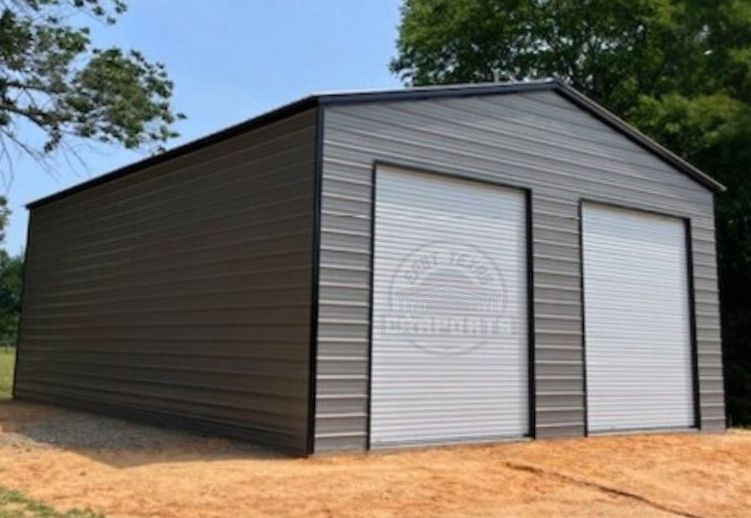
414 94
270 117
637 136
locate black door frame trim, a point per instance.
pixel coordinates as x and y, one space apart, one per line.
692 320
686 221
369 403
585 403
527 192
532 347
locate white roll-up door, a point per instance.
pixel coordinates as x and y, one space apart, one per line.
637 321
449 339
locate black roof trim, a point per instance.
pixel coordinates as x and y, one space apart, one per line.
262 120
432 92
637 136
407 94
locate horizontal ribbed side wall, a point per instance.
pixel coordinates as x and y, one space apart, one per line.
181 293
539 141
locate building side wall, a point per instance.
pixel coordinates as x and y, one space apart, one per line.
181 293
539 141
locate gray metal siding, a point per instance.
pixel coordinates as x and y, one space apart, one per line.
539 141
182 293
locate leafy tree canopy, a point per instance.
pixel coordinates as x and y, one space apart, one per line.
53 79
11 274
680 70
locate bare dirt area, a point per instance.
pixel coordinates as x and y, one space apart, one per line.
69 459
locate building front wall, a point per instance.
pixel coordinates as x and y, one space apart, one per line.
538 141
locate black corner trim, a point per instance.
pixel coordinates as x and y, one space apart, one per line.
315 279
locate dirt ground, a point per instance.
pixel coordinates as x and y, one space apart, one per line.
70 459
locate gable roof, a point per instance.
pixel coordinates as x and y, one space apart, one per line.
407 94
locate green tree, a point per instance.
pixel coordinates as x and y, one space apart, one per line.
55 83
680 70
11 273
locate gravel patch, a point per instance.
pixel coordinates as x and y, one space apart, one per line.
50 427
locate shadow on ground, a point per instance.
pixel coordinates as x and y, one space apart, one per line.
107 439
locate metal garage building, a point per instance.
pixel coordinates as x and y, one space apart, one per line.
378 269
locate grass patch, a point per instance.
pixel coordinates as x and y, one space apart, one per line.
7 362
14 504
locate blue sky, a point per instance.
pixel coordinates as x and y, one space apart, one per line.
230 61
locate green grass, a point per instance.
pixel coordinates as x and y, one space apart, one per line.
14 504
7 361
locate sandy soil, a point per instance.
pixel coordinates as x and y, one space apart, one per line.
71 459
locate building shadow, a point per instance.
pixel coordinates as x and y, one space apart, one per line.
117 442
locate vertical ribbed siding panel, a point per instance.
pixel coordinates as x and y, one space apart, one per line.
181 293
343 309
538 141
559 386
708 335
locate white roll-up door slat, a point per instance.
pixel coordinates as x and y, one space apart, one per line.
449 339
637 321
